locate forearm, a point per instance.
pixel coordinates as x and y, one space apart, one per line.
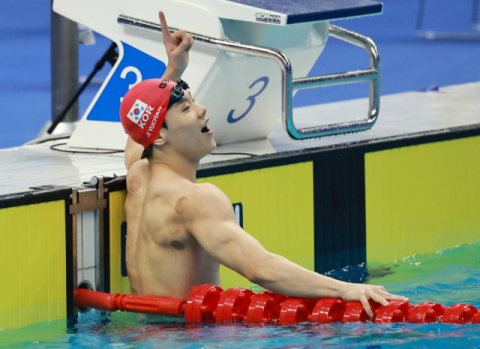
282 276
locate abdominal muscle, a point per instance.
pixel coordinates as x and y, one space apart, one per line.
163 258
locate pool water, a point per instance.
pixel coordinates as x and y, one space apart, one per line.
449 276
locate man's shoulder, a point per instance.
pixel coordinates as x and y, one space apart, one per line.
206 198
138 178
207 191
138 165
139 168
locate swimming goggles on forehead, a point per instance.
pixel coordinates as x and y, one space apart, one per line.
177 92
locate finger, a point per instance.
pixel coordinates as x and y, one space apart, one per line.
366 306
163 24
390 296
179 36
397 298
190 44
183 45
379 299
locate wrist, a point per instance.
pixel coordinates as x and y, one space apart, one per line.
342 289
172 72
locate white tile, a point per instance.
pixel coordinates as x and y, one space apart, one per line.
46 168
11 181
69 182
88 228
79 277
89 275
85 162
36 183
112 166
12 190
79 241
27 180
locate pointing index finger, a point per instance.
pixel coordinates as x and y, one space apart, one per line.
163 24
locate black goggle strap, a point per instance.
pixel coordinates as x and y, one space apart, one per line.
183 84
176 94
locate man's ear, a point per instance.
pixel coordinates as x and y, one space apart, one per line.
162 137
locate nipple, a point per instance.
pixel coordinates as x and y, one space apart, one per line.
177 245
181 205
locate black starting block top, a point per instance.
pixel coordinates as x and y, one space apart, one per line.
300 11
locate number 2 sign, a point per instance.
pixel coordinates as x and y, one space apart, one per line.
135 67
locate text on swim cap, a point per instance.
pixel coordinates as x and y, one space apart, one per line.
154 121
145 117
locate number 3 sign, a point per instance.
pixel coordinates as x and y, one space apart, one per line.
251 98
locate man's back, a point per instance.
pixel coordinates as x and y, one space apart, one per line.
163 258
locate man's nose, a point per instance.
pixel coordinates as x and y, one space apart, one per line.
203 111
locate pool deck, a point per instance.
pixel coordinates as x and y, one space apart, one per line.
402 116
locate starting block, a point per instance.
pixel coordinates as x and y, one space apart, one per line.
241 67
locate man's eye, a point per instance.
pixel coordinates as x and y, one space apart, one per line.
188 107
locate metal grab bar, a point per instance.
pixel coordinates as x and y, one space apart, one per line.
372 75
289 84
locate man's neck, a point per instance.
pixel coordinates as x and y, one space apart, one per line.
185 168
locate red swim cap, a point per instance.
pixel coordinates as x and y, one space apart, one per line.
143 109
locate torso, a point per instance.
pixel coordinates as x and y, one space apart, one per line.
163 258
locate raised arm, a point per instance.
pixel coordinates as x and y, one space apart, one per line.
212 222
177 46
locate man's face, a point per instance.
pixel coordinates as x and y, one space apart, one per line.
187 131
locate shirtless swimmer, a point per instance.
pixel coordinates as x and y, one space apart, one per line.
179 232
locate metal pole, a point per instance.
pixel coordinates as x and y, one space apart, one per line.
64 59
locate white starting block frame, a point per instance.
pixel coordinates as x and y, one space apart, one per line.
231 70
289 84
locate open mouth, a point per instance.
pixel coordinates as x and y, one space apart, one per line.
205 128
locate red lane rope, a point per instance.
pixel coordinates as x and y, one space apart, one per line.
209 303
136 304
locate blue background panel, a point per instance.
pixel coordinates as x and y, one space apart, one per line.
299 11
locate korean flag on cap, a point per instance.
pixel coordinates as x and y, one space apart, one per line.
137 110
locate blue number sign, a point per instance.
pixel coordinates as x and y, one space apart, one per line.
230 117
134 67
